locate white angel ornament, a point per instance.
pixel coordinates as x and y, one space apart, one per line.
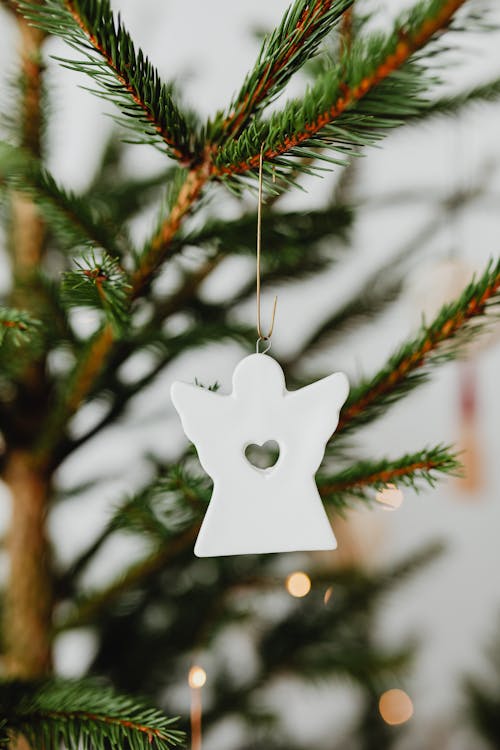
255 510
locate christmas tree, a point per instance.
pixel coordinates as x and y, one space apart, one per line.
70 252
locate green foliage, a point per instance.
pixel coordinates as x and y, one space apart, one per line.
84 714
318 120
444 339
119 197
174 502
450 105
121 73
484 706
4 733
290 233
164 508
414 470
99 283
75 220
381 289
296 243
483 697
17 327
161 512
283 53
299 637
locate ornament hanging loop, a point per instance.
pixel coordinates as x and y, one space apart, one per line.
262 336
267 342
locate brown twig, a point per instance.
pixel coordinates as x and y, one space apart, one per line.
159 246
346 28
91 368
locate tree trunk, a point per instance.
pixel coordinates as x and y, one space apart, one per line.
28 598
28 605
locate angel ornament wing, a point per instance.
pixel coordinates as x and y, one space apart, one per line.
256 510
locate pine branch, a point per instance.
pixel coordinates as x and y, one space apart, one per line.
295 245
22 341
282 54
93 604
160 246
123 75
83 714
120 394
382 287
17 327
289 232
102 284
31 104
411 470
92 362
374 87
169 511
72 217
451 105
80 382
121 197
162 511
316 641
445 338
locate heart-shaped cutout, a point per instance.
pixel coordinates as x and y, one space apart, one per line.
263 456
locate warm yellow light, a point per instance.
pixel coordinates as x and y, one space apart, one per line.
390 497
197 677
328 594
298 584
395 706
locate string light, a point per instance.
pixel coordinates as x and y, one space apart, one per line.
395 707
298 584
390 497
328 595
197 677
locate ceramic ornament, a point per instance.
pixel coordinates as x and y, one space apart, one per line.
255 510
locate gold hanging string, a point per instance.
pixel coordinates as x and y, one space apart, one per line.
261 334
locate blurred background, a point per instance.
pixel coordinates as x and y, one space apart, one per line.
427 211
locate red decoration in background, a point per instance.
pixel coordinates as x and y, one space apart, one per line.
469 440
